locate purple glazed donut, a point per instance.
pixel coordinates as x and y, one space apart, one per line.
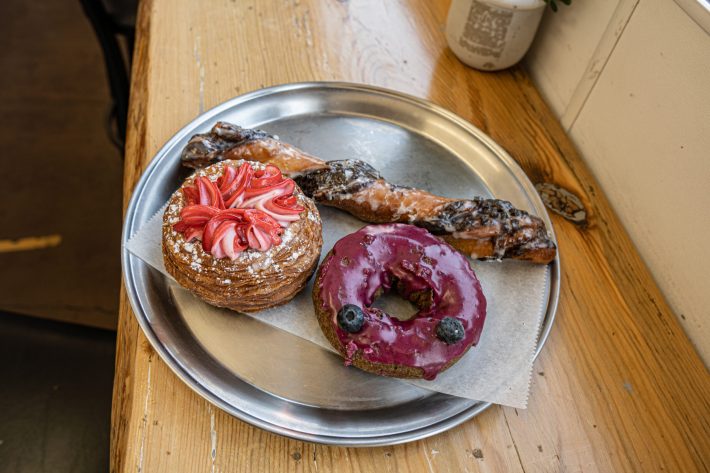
421 268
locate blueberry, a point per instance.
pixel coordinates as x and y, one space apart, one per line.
351 318
450 330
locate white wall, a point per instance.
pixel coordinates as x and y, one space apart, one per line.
630 81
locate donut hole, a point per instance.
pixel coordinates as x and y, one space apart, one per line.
397 305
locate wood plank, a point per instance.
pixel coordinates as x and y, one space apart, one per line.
618 388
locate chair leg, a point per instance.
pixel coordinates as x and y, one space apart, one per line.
116 69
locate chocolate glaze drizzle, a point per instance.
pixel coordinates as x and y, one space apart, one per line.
206 148
483 228
510 230
339 179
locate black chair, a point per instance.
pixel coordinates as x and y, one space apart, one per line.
111 20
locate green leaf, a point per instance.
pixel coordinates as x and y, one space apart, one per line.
553 4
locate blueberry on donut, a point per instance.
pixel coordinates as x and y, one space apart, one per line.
419 267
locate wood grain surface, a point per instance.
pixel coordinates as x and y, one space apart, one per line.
618 387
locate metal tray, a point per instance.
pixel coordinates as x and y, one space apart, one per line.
300 390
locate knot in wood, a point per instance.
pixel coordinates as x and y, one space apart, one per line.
562 202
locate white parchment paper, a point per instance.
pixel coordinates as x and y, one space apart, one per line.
497 370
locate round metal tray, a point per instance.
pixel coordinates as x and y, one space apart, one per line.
412 142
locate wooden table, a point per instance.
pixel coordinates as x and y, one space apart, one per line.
618 386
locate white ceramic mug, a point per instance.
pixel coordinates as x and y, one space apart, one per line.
492 34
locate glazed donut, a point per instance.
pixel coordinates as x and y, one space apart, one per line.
239 235
480 228
422 269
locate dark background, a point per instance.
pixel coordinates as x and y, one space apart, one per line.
61 176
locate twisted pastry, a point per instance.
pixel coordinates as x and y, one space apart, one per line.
482 228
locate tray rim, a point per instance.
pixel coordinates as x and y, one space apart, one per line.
140 314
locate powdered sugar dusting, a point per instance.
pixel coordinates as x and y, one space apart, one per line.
253 275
